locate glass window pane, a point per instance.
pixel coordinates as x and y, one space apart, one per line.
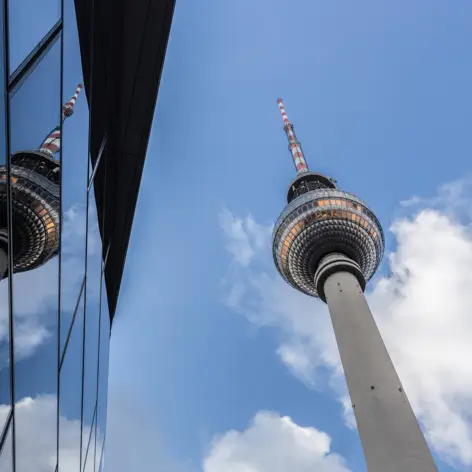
34 442
70 403
29 22
33 114
103 370
5 399
89 440
6 463
92 312
74 174
67 315
35 245
101 458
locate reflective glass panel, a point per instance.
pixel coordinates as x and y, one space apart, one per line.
29 22
74 174
101 459
35 165
103 370
5 400
70 401
92 312
89 434
67 316
6 463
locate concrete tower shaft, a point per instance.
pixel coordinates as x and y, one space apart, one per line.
391 438
327 243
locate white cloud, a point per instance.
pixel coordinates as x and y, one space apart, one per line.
273 443
245 237
451 199
423 308
36 437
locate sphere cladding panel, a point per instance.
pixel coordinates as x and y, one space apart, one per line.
321 222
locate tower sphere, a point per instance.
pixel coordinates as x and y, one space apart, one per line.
35 208
320 220
30 190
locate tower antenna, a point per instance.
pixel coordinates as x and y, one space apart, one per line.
69 106
294 145
52 143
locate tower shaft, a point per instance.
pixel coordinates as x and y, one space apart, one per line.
391 437
293 144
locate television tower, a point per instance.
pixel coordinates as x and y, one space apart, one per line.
35 184
327 243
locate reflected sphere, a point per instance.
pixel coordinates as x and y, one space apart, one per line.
35 208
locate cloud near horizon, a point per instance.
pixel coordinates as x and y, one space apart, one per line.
422 308
273 443
270 443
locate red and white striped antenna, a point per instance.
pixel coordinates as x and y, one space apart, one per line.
69 106
293 144
52 143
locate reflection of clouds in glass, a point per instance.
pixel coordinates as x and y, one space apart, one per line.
39 295
6 458
35 292
29 334
39 444
73 232
73 253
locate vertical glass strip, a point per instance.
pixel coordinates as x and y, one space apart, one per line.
74 174
5 397
103 370
70 397
35 174
92 312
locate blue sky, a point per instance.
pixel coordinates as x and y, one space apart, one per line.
211 351
380 98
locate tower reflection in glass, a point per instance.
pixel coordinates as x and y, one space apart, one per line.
35 190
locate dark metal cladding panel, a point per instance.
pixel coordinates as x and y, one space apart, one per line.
128 56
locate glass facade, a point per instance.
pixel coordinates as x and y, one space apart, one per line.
54 319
